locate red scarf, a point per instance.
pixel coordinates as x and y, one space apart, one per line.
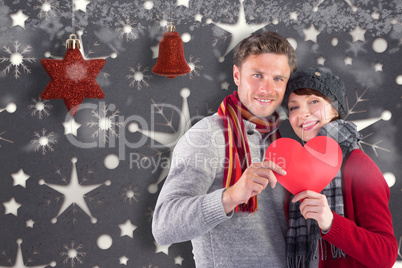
238 157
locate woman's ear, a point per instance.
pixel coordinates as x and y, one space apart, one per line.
336 114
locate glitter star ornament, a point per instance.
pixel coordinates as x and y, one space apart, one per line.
72 78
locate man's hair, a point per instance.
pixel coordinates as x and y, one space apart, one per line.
265 42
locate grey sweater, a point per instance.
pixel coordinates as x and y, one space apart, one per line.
190 207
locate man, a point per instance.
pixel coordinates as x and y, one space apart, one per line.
216 193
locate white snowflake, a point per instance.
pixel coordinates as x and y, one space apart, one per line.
139 77
17 59
130 194
128 29
195 66
40 107
106 124
43 141
48 8
73 254
355 47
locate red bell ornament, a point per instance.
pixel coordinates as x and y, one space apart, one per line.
171 61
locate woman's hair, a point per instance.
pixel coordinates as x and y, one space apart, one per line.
309 91
265 42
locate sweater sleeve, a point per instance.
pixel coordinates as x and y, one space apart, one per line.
366 232
187 207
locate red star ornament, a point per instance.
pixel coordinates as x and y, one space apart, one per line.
72 79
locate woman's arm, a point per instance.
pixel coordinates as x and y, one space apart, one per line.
366 232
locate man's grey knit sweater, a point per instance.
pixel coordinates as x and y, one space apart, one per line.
190 207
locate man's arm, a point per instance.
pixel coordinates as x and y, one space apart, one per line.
190 202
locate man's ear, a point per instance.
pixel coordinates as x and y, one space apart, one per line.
236 75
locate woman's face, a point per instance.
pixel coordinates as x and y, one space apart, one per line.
308 113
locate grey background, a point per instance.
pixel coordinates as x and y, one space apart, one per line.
87 232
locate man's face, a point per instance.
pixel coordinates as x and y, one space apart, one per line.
261 82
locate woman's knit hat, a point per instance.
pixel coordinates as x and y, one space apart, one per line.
324 82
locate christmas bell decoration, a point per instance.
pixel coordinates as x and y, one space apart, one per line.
171 61
73 77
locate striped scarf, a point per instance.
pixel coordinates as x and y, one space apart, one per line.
304 242
238 157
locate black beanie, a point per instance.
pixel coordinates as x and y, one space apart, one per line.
324 82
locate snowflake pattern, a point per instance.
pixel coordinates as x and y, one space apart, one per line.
40 107
356 47
119 24
43 142
351 110
139 77
359 99
90 50
129 29
195 67
47 9
373 146
106 124
130 194
73 254
17 59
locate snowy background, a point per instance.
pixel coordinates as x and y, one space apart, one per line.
80 191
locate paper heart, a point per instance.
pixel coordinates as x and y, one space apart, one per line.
311 167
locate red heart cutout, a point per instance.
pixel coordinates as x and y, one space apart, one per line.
311 167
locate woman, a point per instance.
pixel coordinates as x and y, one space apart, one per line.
349 223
